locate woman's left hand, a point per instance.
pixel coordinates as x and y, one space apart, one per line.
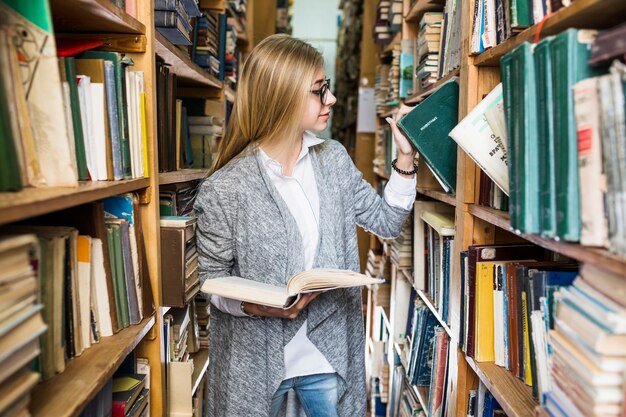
406 152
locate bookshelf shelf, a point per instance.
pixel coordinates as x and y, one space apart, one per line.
68 393
32 202
599 257
422 6
200 365
581 14
419 97
182 175
187 71
431 306
512 394
93 16
438 195
229 93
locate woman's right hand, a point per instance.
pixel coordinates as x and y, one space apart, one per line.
290 313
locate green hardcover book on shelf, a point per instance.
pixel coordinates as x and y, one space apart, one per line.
569 52
545 119
77 123
519 13
518 81
428 126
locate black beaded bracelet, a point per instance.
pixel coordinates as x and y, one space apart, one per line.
399 171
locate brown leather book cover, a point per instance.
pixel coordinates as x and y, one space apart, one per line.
608 45
144 271
174 291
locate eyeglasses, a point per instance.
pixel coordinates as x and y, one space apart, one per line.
323 91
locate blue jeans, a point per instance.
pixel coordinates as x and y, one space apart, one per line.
317 394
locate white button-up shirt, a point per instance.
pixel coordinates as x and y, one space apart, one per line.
299 191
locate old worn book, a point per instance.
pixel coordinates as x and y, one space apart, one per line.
284 297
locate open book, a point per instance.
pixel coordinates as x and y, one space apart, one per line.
284 297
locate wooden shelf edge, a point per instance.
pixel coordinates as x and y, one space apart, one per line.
69 392
438 195
200 364
601 258
422 394
182 175
422 6
512 394
31 202
580 14
186 70
93 16
419 97
431 306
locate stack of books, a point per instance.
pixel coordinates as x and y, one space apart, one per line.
205 134
393 98
177 199
179 260
373 263
587 346
207 49
177 321
232 55
382 30
130 394
20 321
382 87
203 317
172 19
402 248
427 51
395 16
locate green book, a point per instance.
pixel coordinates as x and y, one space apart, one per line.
114 241
518 82
77 123
519 13
119 68
545 120
428 126
10 174
569 52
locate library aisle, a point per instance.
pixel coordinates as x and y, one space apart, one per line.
503 295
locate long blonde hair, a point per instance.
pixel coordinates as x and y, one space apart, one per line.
271 94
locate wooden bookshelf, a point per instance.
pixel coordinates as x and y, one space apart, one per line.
31 202
200 365
69 392
438 195
595 256
188 72
422 6
581 14
182 175
93 16
419 97
512 394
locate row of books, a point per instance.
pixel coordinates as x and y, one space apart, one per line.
495 21
388 20
73 118
173 19
382 87
549 150
188 133
93 276
208 49
427 51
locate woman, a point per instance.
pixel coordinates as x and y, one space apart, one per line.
281 201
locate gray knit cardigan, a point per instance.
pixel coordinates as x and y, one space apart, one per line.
246 229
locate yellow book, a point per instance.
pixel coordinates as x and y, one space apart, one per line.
527 372
484 351
144 134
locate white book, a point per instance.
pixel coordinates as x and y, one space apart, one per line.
592 183
131 107
84 100
475 136
84 288
284 297
498 314
139 88
102 306
98 133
